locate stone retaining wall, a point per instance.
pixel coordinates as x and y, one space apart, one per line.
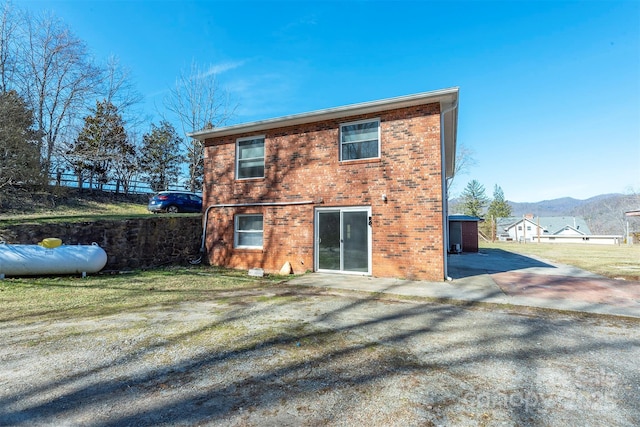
129 244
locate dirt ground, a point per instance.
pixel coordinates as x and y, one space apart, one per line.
291 355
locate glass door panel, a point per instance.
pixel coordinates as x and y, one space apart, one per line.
329 240
355 241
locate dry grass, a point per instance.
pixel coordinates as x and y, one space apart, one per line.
607 260
57 298
205 347
69 206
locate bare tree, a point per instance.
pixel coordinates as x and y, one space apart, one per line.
8 52
464 161
119 89
198 103
605 215
58 78
119 94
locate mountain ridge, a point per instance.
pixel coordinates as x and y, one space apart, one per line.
563 206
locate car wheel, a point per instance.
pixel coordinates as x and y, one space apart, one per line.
172 209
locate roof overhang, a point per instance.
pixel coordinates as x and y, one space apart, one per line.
447 98
568 227
465 218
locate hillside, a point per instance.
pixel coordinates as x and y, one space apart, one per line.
606 216
67 202
556 207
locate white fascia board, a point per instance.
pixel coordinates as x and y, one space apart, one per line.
450 133
445 97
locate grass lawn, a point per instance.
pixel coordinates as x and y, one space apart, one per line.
47 208
85 211
607 260
56 298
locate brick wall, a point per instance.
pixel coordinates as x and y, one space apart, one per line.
129 244
302 163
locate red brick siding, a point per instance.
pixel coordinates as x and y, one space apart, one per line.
302 163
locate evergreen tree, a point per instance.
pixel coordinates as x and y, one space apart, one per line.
102 149
19 153
474 199
125 166
498 208
160 156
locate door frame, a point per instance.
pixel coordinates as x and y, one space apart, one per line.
316 238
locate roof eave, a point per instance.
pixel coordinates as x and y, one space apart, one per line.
450 134
444 97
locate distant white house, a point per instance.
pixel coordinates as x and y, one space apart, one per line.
553 229
529 227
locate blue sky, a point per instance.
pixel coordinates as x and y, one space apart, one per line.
549 91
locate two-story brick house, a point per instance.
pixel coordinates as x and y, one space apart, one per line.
358 189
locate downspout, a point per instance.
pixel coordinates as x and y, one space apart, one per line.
445 195
234 205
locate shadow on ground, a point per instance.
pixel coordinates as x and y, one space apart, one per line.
329 360
490 261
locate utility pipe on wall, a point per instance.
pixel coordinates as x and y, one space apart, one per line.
239 205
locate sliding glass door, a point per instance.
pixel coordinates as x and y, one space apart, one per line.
343 240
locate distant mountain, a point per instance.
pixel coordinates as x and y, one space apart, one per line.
604 213
564 206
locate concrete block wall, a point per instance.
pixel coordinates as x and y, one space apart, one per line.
129 244
302 164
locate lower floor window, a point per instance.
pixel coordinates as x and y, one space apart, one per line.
248 231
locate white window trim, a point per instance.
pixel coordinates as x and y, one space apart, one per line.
250 138
236 231
375 119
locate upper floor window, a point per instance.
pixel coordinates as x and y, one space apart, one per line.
360 140
250 158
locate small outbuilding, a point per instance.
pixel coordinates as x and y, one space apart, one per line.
463 233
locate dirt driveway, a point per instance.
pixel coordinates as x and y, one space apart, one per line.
290 355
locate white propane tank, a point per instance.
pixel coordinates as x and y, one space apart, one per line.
35 260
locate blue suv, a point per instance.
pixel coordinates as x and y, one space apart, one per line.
175 201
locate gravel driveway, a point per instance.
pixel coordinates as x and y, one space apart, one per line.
291 355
